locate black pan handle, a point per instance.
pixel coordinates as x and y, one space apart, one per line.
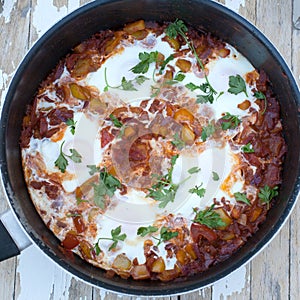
12 237
8 246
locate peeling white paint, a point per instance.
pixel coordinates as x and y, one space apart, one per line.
4 84
40 277
233 283
235 4
8 7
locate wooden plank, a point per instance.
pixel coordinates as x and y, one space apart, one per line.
270 269
12 16
294 223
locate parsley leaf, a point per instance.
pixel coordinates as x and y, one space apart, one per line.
61 162
209 218
127 85
143 231
177 142
71 124
237 85
145 60
248 148
165 62
191 86
115 121
215 176
179 28
194 170
207 131
230 121
242 197
266 194
164 190
198 190
116 236
165 235
106 186
261 96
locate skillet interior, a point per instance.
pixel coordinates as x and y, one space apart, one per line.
111 14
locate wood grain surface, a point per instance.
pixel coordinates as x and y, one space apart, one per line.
272 274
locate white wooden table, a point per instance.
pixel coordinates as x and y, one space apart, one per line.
273 274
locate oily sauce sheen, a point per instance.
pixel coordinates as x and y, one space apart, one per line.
154 151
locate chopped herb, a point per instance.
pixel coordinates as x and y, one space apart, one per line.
207 131
79 200
194 170
242 197
115 121
116 236
179 28
209 218
126 85
61 162
230 121
93 169
179 77
198 190
165 235
206 89
215 176
143 231
73 215
261 96
164 190
191 86
237 85
177 142
71 124
266 194
248 148
145 60
165 62
106 186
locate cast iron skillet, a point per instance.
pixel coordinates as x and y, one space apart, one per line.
80 25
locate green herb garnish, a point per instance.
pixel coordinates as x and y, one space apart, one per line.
237 85
116 236
248 148
209 218
164 190
198 190
194 170
145 60
165 235
106 186
261 96
177 142
242 197
165 62
115 121
230 121
71 124
266 194
215 176
143 231
61 162
179 28
207 131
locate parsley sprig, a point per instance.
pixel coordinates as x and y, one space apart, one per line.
126 85
106 186
116 236
62 162
261 96
145 60
177 141
164 190
179 28
71 123
165 235
207 131
237 85
198 190
241 197
209 217
143 231
230 121
248 148
266 194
